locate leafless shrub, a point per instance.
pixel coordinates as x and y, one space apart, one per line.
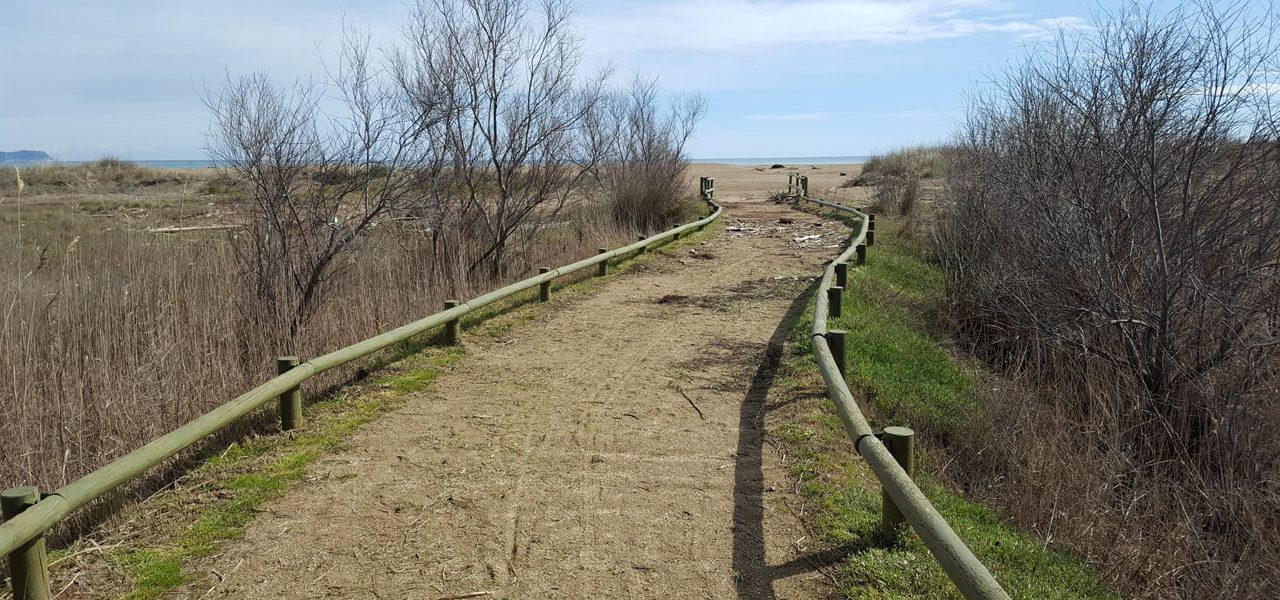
1116 231
642 167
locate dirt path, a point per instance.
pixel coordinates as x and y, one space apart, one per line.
564 460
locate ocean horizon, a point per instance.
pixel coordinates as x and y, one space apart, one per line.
743 161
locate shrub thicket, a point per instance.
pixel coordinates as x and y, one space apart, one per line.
1116 233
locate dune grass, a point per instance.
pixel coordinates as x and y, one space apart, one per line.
917 162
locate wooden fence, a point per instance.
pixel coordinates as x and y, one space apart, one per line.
889 453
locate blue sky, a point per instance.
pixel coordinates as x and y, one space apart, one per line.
83 79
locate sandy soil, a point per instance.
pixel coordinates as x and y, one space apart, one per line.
568 459
734 182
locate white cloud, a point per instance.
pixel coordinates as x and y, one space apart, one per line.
736 25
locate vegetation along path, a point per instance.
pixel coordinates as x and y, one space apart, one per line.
612 448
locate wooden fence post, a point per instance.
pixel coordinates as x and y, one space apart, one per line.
603 268
835 301
842 274
29 564
290 401
871 230
544 289
900 441
835 339
862 254
643 249
451 327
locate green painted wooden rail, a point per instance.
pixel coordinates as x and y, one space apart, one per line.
28 517
890 459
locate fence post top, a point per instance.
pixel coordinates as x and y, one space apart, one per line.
16 499
897 431
22 492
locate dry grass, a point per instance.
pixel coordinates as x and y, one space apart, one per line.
107 175
896 195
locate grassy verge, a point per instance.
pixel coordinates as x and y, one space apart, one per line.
160 540
905 376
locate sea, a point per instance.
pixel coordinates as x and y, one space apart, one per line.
747 161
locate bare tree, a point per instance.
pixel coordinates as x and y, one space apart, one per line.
318 181
642 173
514 123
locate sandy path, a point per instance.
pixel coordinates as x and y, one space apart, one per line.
562 460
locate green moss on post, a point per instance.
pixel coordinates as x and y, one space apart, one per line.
29 564
900 441
835 304
603 268
290 401
544 289
451 327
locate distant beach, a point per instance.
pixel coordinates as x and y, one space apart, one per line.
786 160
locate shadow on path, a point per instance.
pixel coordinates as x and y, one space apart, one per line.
754 577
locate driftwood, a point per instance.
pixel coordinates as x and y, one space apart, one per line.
191 228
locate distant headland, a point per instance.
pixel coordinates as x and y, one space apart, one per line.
24 157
